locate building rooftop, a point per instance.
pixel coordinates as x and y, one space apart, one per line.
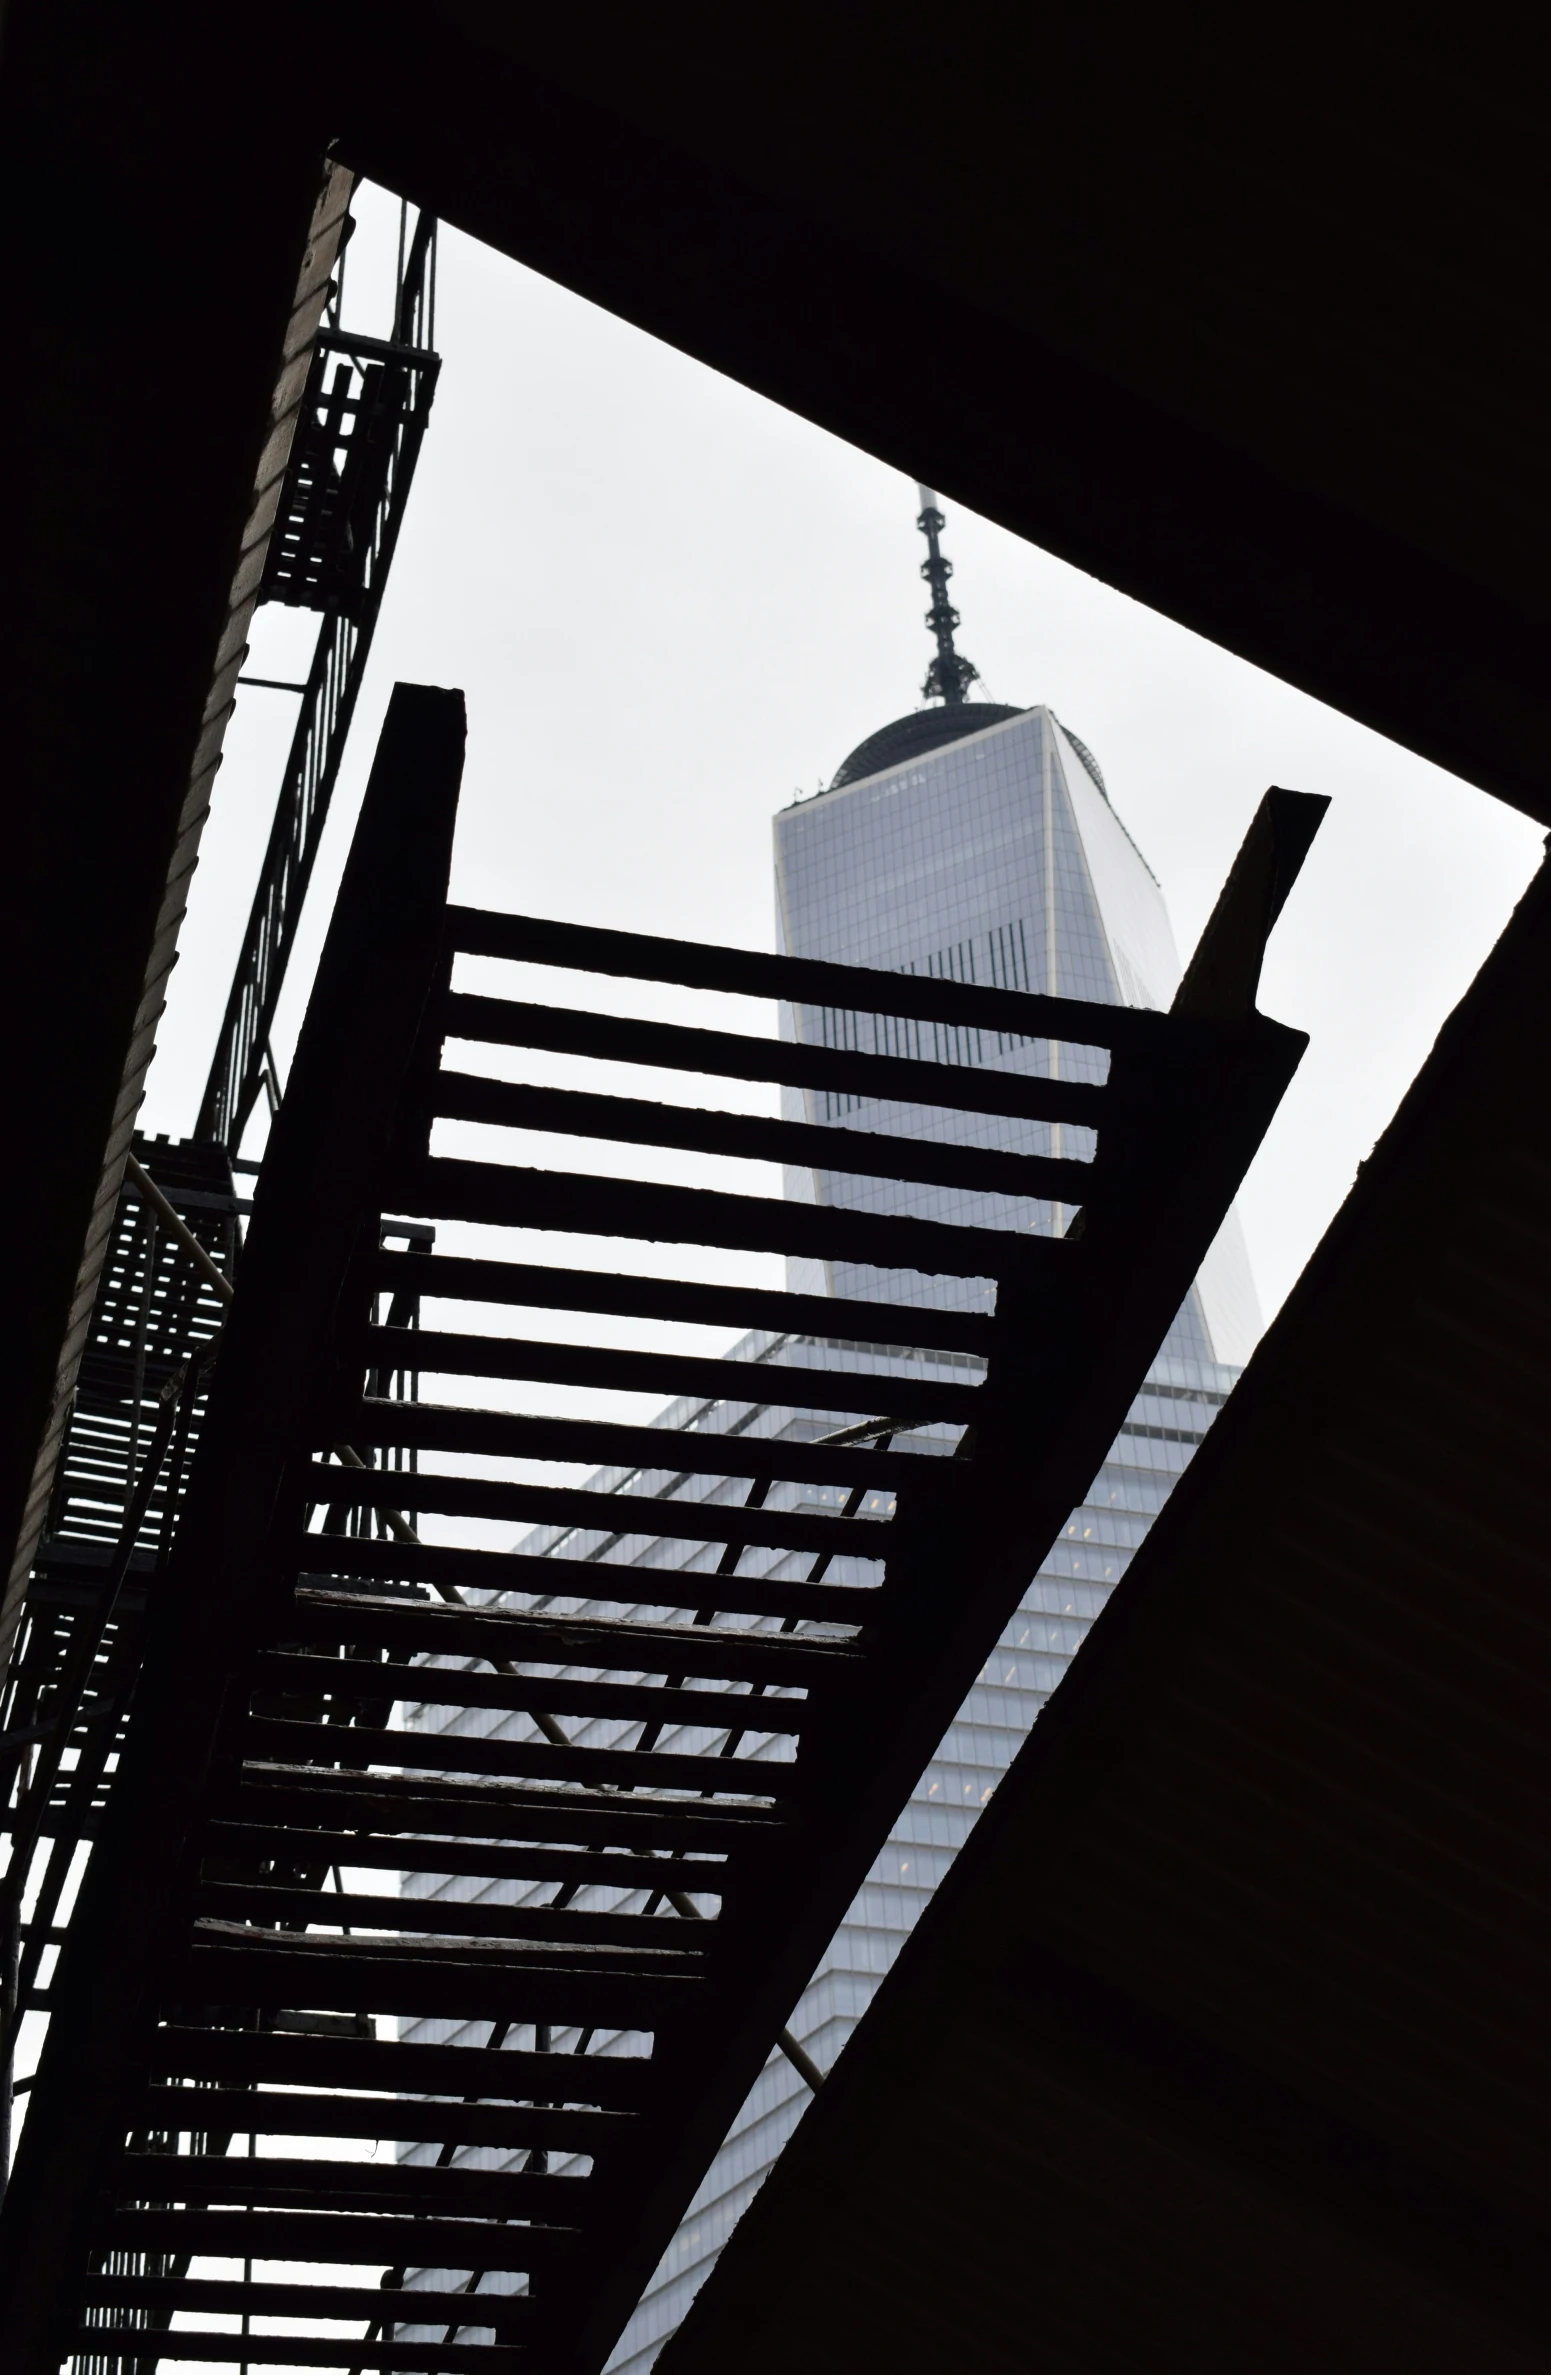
912 737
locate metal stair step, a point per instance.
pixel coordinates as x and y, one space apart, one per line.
251 1843
294 1794
496 1498
461 1278
460 1979
229 2296
720 1653
341 2238
259 2181
274 1738
483 1918
614 2081
505 2127
524 1573
690 1451
345 1678
128 2345
584 1204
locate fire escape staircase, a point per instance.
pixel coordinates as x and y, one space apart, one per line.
146 1368
139 1405
358 438
684 1798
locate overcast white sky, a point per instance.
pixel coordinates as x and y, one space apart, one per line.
672 604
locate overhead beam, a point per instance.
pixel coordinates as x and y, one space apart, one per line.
1244 347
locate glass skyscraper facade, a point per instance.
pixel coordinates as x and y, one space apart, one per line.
997 857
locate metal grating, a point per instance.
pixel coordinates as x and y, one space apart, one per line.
139 1404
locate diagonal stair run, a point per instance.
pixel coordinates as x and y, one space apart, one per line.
749 1741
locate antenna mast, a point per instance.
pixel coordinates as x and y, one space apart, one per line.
950 675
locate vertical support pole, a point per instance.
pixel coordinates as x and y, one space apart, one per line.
10 1963
1052 964
247 2265
321 1184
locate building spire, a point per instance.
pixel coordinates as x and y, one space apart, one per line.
949 676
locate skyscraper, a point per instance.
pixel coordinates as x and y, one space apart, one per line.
978 841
